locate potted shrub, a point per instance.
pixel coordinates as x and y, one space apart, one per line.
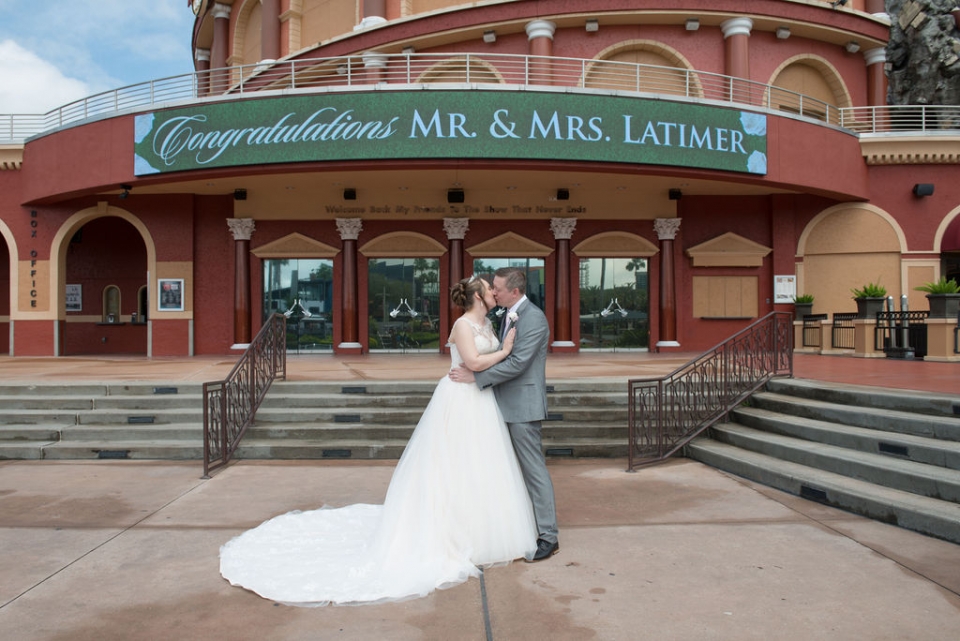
870 299
802 306
943 296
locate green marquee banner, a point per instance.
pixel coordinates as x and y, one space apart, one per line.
386 125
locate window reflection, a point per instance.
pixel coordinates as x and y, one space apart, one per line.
614 303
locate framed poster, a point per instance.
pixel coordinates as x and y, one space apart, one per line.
784 289
170 298
74 298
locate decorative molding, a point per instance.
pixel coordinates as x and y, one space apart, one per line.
295 245
509 245
456 228
563 228
736 27
11 157
666 228
221 11
881 149
616 244
349 228
728 250
401 244
241 228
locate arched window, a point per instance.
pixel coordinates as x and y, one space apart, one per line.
111 304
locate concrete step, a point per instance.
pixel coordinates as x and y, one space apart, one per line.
95 390
919 513
369 414
189 449
908 476
292 448
368 432
931 403
887 419
80 403
915 448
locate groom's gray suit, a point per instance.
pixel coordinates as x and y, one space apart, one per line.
520 385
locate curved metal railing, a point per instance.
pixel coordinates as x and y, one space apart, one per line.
667 412
425 70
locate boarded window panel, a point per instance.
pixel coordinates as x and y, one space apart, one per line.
725 296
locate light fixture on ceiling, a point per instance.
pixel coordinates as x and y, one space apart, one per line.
126 191
593 25
852 47
490 36
693 24
783 33
341 70
409 50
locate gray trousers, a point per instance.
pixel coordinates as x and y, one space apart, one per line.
527 443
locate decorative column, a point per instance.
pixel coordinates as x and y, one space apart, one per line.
666 229
456 229
220 78
562 229
374 65
269 30
736 35
349 229
876 8
203 71
877 86
373 14
242 230
540 34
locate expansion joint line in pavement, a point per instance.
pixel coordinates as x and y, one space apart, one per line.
101 544
486 608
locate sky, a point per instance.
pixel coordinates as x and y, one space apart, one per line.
53 52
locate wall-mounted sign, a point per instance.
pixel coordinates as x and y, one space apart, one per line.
74 295
381 125
170 297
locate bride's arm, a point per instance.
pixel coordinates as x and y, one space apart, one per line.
462 336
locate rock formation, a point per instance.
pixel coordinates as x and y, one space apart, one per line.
923 55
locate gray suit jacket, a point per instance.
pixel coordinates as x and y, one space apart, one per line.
520 379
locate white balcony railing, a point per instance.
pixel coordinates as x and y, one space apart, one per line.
386 71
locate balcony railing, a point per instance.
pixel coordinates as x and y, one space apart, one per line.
548 74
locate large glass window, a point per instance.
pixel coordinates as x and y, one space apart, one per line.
614 303
404 304
536 281
301 289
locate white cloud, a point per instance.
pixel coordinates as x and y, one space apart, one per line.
31 85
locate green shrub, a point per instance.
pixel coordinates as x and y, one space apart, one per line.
870 290
942 286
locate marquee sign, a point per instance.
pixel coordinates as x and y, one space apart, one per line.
384 125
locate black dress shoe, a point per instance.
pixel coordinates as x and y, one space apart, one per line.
545 549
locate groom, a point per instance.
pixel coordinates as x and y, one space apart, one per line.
521 389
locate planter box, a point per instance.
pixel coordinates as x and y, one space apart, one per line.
944 305
802 309
869 307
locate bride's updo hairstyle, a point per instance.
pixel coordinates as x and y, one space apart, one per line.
462 293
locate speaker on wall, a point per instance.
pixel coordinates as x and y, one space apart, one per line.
455 196
923 189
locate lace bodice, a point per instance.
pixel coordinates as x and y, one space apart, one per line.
483 337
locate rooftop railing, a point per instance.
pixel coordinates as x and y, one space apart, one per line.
423 70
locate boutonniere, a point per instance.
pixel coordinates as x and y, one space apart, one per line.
513 317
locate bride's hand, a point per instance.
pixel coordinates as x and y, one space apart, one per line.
508 340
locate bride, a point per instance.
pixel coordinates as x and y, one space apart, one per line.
456 502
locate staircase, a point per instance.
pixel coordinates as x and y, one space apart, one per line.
297 420
101 420
887 454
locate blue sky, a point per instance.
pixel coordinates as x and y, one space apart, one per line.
55 51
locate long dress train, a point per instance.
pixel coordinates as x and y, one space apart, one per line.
456 501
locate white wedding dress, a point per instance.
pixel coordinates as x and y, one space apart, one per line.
456 501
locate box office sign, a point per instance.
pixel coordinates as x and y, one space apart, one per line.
450 124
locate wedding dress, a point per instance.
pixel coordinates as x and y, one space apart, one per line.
456 501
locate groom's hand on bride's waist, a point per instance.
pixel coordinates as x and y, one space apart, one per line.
461 375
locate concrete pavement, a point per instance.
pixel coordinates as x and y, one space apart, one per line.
128 550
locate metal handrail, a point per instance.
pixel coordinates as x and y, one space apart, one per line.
666 412
534 73
230 406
